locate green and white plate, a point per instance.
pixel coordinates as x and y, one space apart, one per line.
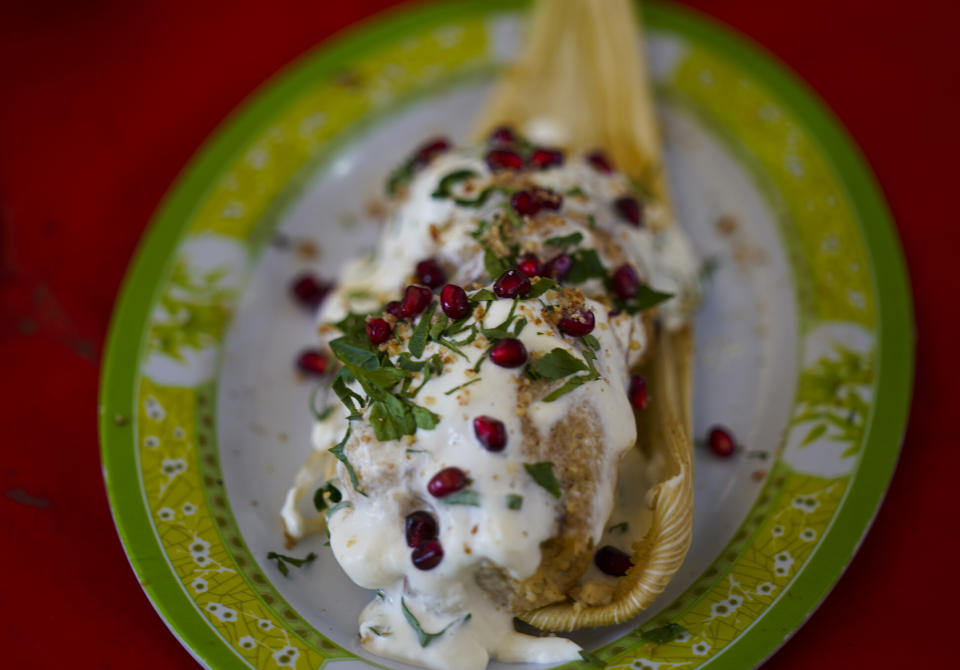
804 343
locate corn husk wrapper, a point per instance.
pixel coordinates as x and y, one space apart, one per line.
584 74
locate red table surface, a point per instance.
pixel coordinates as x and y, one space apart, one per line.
101 105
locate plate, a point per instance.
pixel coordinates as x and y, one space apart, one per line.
804 341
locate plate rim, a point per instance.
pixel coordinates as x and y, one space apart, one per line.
895 330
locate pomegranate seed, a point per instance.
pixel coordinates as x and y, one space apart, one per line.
638 392
524 203
419 526
415 300
530 265
629 209
501 159
491 433
625 282
378 331
309 290
430 274
558 267
547 199
509 353
721 441
544 158
502 135
454 302
577 326
447 481
612 561
394 307
511 284
430 149
600 162
427 555
312 362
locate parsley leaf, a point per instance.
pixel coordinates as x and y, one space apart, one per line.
542 474
557 364
349 352
464 497
566 241
619 527
419 338
540 287
282 561
663 634
568 386
482 295
423 636
460 386
645 298
514 501
586 266
494 265
337 451
591 341
328 490
449 180
343 504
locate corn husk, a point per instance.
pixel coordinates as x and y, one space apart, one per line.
584 76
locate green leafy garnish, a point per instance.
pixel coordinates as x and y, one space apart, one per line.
519 326
477 201
483 295
514 501
645 298
709 268
449 180
619 527
336 508
663 634
575 191
463 385
338 452
542 474
540 287
592 342
568 386
494 265
586 266
464 497
482 227
376 631
320 496
557 364
570 240
419 338
424 637
282 561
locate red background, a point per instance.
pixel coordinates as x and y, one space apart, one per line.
101 105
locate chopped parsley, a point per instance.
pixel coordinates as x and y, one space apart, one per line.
586 266
542 474
464 497
283 561
645 298
327 491
539 287
423 636
338 452
557 364
514 501
448 181
619 527
336 508
570 240
461 386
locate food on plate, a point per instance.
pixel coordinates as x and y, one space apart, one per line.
509 435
